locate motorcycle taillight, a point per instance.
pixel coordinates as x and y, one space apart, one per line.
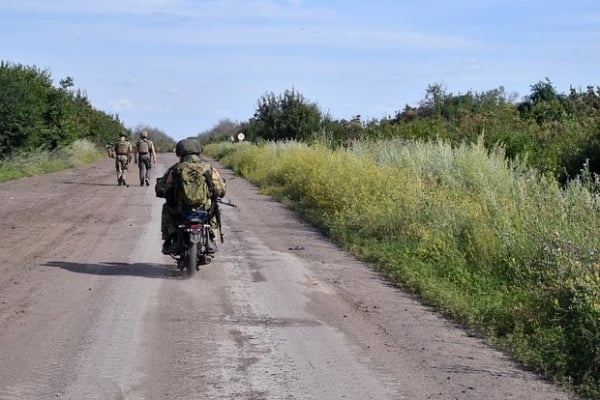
195 226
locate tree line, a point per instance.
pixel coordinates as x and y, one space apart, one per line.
34 114
557 133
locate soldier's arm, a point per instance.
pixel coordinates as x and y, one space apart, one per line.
218 182
152 152
170 183
169 177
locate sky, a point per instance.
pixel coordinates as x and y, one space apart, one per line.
182 66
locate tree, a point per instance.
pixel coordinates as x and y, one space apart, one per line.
34 114
435 95
23 105
266 116
287 116
299 117
544 103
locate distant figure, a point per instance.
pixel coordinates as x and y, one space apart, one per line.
145 156
123 153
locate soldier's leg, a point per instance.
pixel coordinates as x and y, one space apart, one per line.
119 170
124 172
148 163
168 227
141 170
215 232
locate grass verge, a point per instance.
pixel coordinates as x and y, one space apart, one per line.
42 162
491 243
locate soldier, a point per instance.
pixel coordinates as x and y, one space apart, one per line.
144 157
123 153
188 151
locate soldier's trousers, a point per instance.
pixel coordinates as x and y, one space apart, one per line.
144 160
121 163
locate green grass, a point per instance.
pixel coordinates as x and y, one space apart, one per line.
490 243
42 162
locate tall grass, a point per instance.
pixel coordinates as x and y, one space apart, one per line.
494 244
80 152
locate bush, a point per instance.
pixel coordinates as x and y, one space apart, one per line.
490 242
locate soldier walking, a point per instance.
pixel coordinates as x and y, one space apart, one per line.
123 153
145 156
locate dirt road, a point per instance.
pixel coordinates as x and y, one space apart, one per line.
91 309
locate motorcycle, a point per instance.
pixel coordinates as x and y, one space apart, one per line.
193 245
193 240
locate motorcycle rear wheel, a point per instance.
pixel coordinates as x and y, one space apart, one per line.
191 259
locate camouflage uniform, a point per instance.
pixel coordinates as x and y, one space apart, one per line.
123 153
172 208
145 155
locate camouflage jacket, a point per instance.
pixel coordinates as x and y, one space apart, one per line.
170 181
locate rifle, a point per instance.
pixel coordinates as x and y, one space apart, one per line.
215 201
227 203
217 211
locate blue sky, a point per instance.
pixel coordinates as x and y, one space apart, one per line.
183 65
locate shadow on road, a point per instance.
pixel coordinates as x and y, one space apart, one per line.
162 271
89 183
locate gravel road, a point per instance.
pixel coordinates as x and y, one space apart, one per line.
91 309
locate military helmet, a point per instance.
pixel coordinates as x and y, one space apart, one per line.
144 134
123 134
187 146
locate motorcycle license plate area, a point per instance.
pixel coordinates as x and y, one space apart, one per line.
195 216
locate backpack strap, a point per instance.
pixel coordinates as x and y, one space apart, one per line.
214 207
209 181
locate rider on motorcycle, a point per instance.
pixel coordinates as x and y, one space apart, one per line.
188 151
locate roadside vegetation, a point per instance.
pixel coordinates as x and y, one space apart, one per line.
40 162
489 242
484 206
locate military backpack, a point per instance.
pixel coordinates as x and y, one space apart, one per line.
143 146
122 147
194 187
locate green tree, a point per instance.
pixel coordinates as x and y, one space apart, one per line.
34 114
23 101
287 116
299 118
544 104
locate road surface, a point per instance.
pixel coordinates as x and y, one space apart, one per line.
91 309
